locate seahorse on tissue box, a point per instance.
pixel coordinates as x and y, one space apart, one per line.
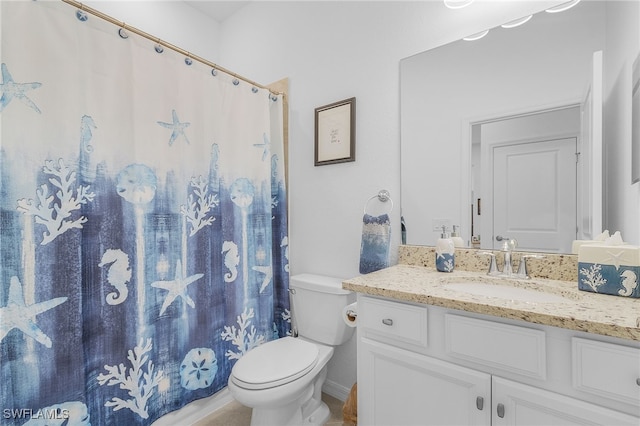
609 269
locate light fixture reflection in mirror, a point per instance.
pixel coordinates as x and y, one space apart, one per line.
562 7
517 22
457 4
476 36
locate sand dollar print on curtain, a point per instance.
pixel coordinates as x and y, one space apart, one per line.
144 226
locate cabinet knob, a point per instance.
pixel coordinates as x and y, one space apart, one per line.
501 411
638 381
387 321
480 403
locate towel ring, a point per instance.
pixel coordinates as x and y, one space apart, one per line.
383 196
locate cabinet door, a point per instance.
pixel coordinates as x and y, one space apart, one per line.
397 387
515 404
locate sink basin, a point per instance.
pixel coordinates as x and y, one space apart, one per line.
505 292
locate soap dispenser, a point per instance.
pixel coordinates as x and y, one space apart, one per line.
455 237
445 252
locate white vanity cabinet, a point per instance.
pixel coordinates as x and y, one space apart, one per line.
427 365
518 404
398 387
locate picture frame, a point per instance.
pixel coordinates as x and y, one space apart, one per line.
335 133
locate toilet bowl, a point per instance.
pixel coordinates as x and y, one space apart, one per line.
282 380
288 393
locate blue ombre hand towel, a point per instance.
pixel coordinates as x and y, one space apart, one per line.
376 236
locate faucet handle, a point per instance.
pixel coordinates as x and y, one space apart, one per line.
493 267
522 267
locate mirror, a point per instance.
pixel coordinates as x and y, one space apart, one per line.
536 75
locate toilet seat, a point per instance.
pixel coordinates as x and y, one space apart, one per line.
275 363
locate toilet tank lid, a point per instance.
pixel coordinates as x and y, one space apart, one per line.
319 283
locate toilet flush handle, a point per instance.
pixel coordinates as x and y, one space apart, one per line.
387 321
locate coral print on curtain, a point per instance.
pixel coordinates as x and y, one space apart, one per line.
144 227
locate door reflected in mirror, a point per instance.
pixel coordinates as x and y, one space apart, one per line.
541 212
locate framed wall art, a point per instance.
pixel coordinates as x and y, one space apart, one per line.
335 139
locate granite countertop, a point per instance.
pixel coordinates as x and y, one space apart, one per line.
578 310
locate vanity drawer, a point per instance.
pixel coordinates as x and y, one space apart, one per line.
510 348
607 370
398 322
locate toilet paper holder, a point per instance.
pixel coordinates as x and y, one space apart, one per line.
351 314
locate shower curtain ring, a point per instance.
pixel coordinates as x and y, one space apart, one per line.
158 47
122 31
81 14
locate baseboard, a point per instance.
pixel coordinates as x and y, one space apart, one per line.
196 410
336 390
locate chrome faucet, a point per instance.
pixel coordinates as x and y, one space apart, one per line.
508 246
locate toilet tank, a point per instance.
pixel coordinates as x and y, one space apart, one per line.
317 303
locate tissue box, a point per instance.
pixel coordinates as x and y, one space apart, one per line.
575 246
609 269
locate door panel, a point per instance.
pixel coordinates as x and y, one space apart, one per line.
540 212
515 404
397 387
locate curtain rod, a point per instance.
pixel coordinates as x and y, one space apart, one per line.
148 36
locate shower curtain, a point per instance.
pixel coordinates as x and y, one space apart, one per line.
143 222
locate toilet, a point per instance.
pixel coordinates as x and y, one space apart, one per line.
281 380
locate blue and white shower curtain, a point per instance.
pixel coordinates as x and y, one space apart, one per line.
143 222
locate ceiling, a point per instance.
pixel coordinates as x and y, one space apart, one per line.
217 10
